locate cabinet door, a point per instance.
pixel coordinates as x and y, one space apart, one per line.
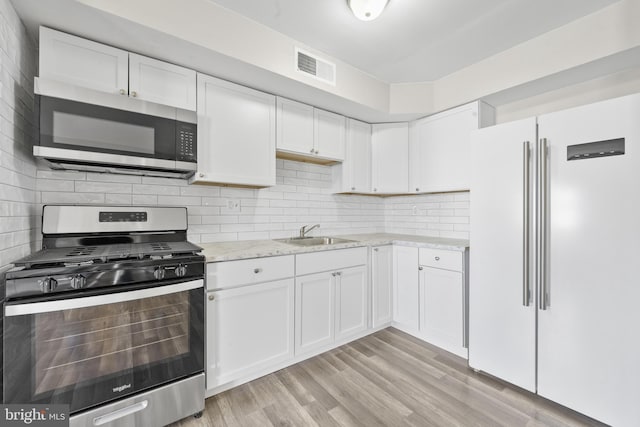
295 127
390 158
81 62
329 134
441 309
440 147
248 330
352 300
315 312
406 301
236 134
161 82
381 285
356 172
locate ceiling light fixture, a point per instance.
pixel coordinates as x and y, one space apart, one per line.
367 10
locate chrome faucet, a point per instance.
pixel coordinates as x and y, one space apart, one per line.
304 230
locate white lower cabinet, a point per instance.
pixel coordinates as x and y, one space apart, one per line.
442 308
315 312
443 299
249 329
430 296
406 301
262 317
381 285
330 306
351 302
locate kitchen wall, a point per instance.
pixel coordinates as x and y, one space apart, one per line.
302 196
17 169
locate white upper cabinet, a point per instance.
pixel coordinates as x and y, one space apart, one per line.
80 62
354 174
329 134
309 133
236 134
390 158
440 148
161 82
295 126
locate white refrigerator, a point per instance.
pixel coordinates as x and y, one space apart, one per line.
554 287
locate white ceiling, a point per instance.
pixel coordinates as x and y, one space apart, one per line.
414 40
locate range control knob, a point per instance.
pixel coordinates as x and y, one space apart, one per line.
48 284
181 270
78 281
158 273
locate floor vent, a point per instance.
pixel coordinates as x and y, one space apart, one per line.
315 67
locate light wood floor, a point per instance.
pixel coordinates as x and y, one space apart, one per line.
385 379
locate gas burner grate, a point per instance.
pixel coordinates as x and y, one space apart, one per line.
82 251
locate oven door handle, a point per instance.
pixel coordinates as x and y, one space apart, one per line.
92 301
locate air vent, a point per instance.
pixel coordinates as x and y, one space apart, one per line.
315 67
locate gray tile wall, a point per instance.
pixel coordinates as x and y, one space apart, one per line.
17 169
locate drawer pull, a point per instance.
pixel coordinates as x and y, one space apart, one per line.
212 297
437 258
257 270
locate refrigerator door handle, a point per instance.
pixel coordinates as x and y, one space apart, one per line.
526 298
542 223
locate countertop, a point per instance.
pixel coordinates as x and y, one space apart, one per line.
228 251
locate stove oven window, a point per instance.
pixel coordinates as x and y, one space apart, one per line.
75 346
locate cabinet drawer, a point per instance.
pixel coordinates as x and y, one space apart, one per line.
229 274
330 260
439 258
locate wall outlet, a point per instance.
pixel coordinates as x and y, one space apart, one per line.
233 205
414 210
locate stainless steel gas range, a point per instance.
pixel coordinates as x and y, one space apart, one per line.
108 317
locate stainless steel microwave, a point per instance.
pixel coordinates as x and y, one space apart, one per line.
143 139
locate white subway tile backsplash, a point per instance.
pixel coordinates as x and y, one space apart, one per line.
179 200
102 187
18 195
55 185
165 190
118 199
66 175
109 177
278 211
144 199
197 190
72 198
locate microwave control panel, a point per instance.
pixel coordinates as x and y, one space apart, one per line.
187 143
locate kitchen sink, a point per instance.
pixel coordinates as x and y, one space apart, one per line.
314 241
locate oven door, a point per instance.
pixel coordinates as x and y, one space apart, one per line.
98 134
90 350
